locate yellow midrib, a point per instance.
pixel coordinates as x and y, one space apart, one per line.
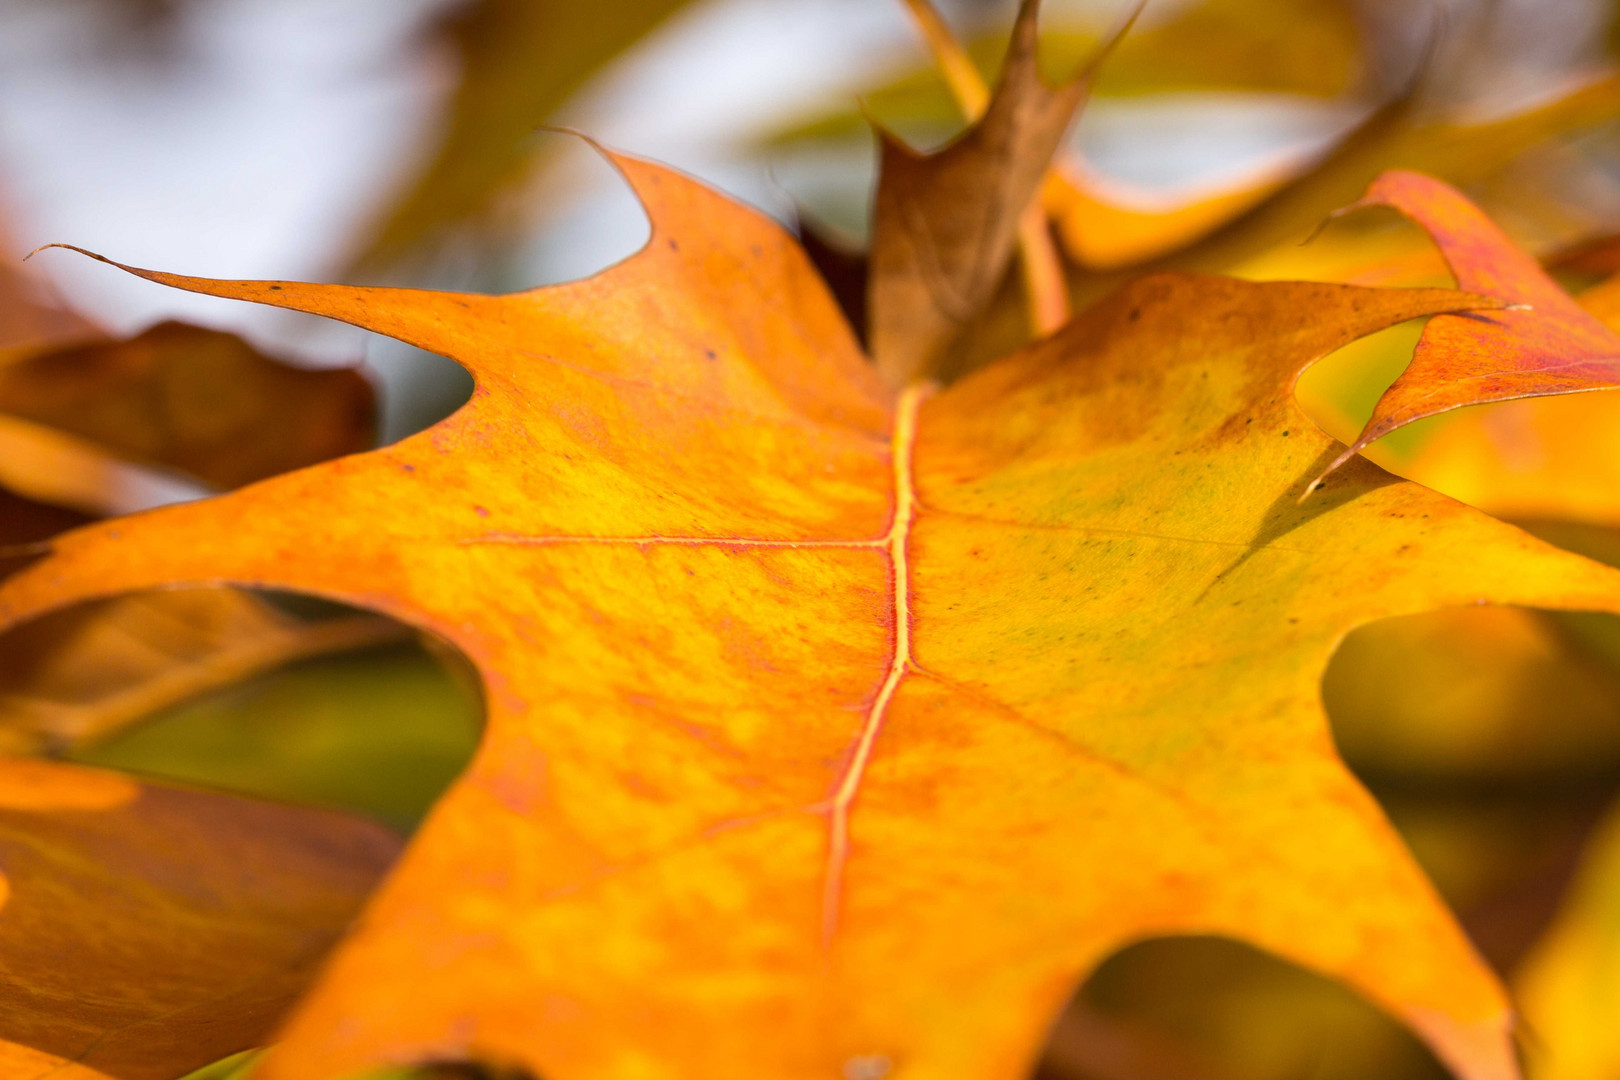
895 543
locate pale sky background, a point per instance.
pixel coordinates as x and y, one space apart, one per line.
282 126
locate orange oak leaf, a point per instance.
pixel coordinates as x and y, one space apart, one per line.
944 224
1549 458
146 930
835 728
1545 344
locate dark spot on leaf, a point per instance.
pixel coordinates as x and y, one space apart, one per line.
408 468
275 288
480 511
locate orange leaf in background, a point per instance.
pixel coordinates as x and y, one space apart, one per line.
1105 227
1552 347
832 728
1486 694
1602 301
150 930
1550 458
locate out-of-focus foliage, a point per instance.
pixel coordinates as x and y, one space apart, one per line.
520 60
1568 987
382 731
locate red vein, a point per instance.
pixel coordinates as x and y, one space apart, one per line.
897 540
684 541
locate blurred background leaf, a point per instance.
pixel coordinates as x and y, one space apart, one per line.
382 731
520 60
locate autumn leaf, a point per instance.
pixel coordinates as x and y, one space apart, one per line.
1106 225
210 914
1107 228
1544 344
1538 459
944 224
826 724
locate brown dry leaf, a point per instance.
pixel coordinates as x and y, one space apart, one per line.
834 729
945 223
200 401
27 522
146 931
